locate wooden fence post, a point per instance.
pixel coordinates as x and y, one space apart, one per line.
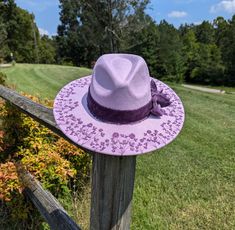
112 191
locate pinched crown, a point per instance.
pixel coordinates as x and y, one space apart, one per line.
121 82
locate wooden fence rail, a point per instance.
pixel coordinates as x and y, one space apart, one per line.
38 112
112 177
46 203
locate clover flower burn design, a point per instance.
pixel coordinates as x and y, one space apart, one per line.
97 139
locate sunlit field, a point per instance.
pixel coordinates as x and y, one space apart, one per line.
189 184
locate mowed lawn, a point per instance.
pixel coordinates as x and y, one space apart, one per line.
43 81
189 184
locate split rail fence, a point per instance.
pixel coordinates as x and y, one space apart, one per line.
111 187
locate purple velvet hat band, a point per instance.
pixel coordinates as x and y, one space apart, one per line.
117 116
154 107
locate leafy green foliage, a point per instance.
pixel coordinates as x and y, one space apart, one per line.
90 28
170 63
49 158
19 36
210 69
205 33
3 77
47 50
3 40
194 53
21 32
145 40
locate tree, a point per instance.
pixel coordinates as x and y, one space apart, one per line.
230 61
221 29
205 32
47 50
209 68
170 60
68 39
185 28
3 40
190 52
144 42
93 27
21 31
225 36
203 61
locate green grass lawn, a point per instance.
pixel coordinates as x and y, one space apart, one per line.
42 80
189 184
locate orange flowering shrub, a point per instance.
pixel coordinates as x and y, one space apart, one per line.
79 160
2 82
9 182
51 159
11 193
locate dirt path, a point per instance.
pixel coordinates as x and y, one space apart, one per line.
5 65
204 89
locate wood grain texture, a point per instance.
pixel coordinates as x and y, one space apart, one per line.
40 113
46 203
112 191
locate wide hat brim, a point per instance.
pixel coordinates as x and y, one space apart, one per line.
75 120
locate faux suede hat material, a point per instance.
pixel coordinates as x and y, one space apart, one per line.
119 110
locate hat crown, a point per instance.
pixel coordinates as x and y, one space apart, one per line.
121 82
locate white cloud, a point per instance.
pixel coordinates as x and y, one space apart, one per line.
225 5
197 23
43 32
177 14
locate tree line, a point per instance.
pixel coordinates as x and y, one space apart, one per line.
203 53
20 39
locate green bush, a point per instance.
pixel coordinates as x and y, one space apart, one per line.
13 63
2 78
53 161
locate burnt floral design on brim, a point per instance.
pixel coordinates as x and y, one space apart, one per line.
75 120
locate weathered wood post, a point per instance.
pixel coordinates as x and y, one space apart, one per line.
112 190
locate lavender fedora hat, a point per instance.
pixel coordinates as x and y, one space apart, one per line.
119 110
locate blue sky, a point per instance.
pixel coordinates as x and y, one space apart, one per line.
174 11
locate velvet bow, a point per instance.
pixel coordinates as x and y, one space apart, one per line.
159 99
